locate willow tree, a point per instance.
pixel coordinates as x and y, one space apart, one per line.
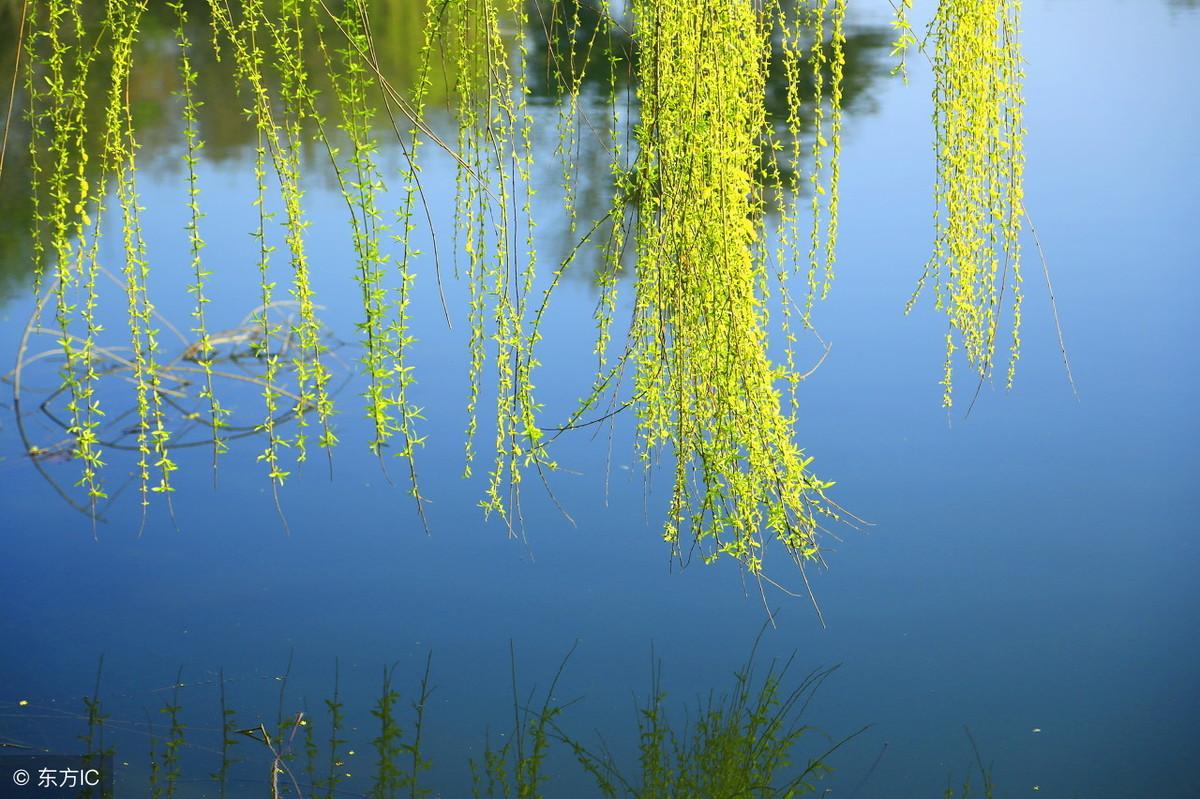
704 165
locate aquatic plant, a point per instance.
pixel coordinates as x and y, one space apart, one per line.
517 768
228 741
152 778
387 743
94 746
282 781
966 788
173 745
750 740
311 749
739 744
336 724
399 760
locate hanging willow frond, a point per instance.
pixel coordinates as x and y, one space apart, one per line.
494 225
706 388
697 164
979 190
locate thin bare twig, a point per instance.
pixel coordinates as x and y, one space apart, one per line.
1062 345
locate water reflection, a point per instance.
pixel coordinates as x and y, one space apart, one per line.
399 31
595 47
953 593
572 42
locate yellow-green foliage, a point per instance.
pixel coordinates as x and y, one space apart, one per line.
568 65
697 190
69 207
191 158
248 58
268 44
811 36
706 389
288 34
362 182
979 142
905 39
704 167
399 335
120 145
59 62
385 328
280 140
495 229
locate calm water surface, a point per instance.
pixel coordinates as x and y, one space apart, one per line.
1032 567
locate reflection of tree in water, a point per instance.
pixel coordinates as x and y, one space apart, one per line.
10 13
571 42
398 27
552 22
16 211
153 83
236 358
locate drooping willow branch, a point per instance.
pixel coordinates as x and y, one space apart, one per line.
194 144
710 393
697 163
661 191
979 189
494 225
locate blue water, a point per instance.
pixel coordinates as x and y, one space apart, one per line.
1031 567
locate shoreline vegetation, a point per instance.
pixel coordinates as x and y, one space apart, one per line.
747 741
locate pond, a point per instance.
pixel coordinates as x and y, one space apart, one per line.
1028 572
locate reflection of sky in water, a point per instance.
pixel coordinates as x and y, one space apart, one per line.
1030 567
